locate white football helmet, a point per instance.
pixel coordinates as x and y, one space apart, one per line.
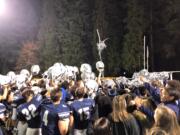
100 66
35 69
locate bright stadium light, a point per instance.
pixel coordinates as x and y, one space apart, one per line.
2 6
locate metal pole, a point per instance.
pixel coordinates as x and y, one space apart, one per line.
147 58
144 52
171 75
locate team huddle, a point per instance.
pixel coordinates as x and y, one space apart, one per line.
47 113
59 102
33 108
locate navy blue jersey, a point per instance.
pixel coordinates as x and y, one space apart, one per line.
82 112
2 108
51 114
30 112
2 113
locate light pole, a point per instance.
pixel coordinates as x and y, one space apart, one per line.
2 7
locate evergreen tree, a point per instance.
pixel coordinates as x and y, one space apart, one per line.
115 15
108 18
73 31
132 53
47 36
165 25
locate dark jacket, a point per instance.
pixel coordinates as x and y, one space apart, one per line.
128 127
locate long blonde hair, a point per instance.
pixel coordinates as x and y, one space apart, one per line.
157 131
166 119
119 109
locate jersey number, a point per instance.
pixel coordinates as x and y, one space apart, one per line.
45 117
30 112
84 113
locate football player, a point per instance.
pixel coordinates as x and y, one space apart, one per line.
83 111
56 115
30 112
2 117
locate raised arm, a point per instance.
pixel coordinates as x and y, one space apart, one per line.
4 96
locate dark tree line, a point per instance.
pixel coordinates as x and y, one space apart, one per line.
65 31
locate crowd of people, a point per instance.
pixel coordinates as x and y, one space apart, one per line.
94 106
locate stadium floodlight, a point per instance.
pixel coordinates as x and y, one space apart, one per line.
2 7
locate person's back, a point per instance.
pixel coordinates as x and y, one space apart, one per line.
50 115
49 119
30 112
104 104
55 115
82 110
122 122
128 127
